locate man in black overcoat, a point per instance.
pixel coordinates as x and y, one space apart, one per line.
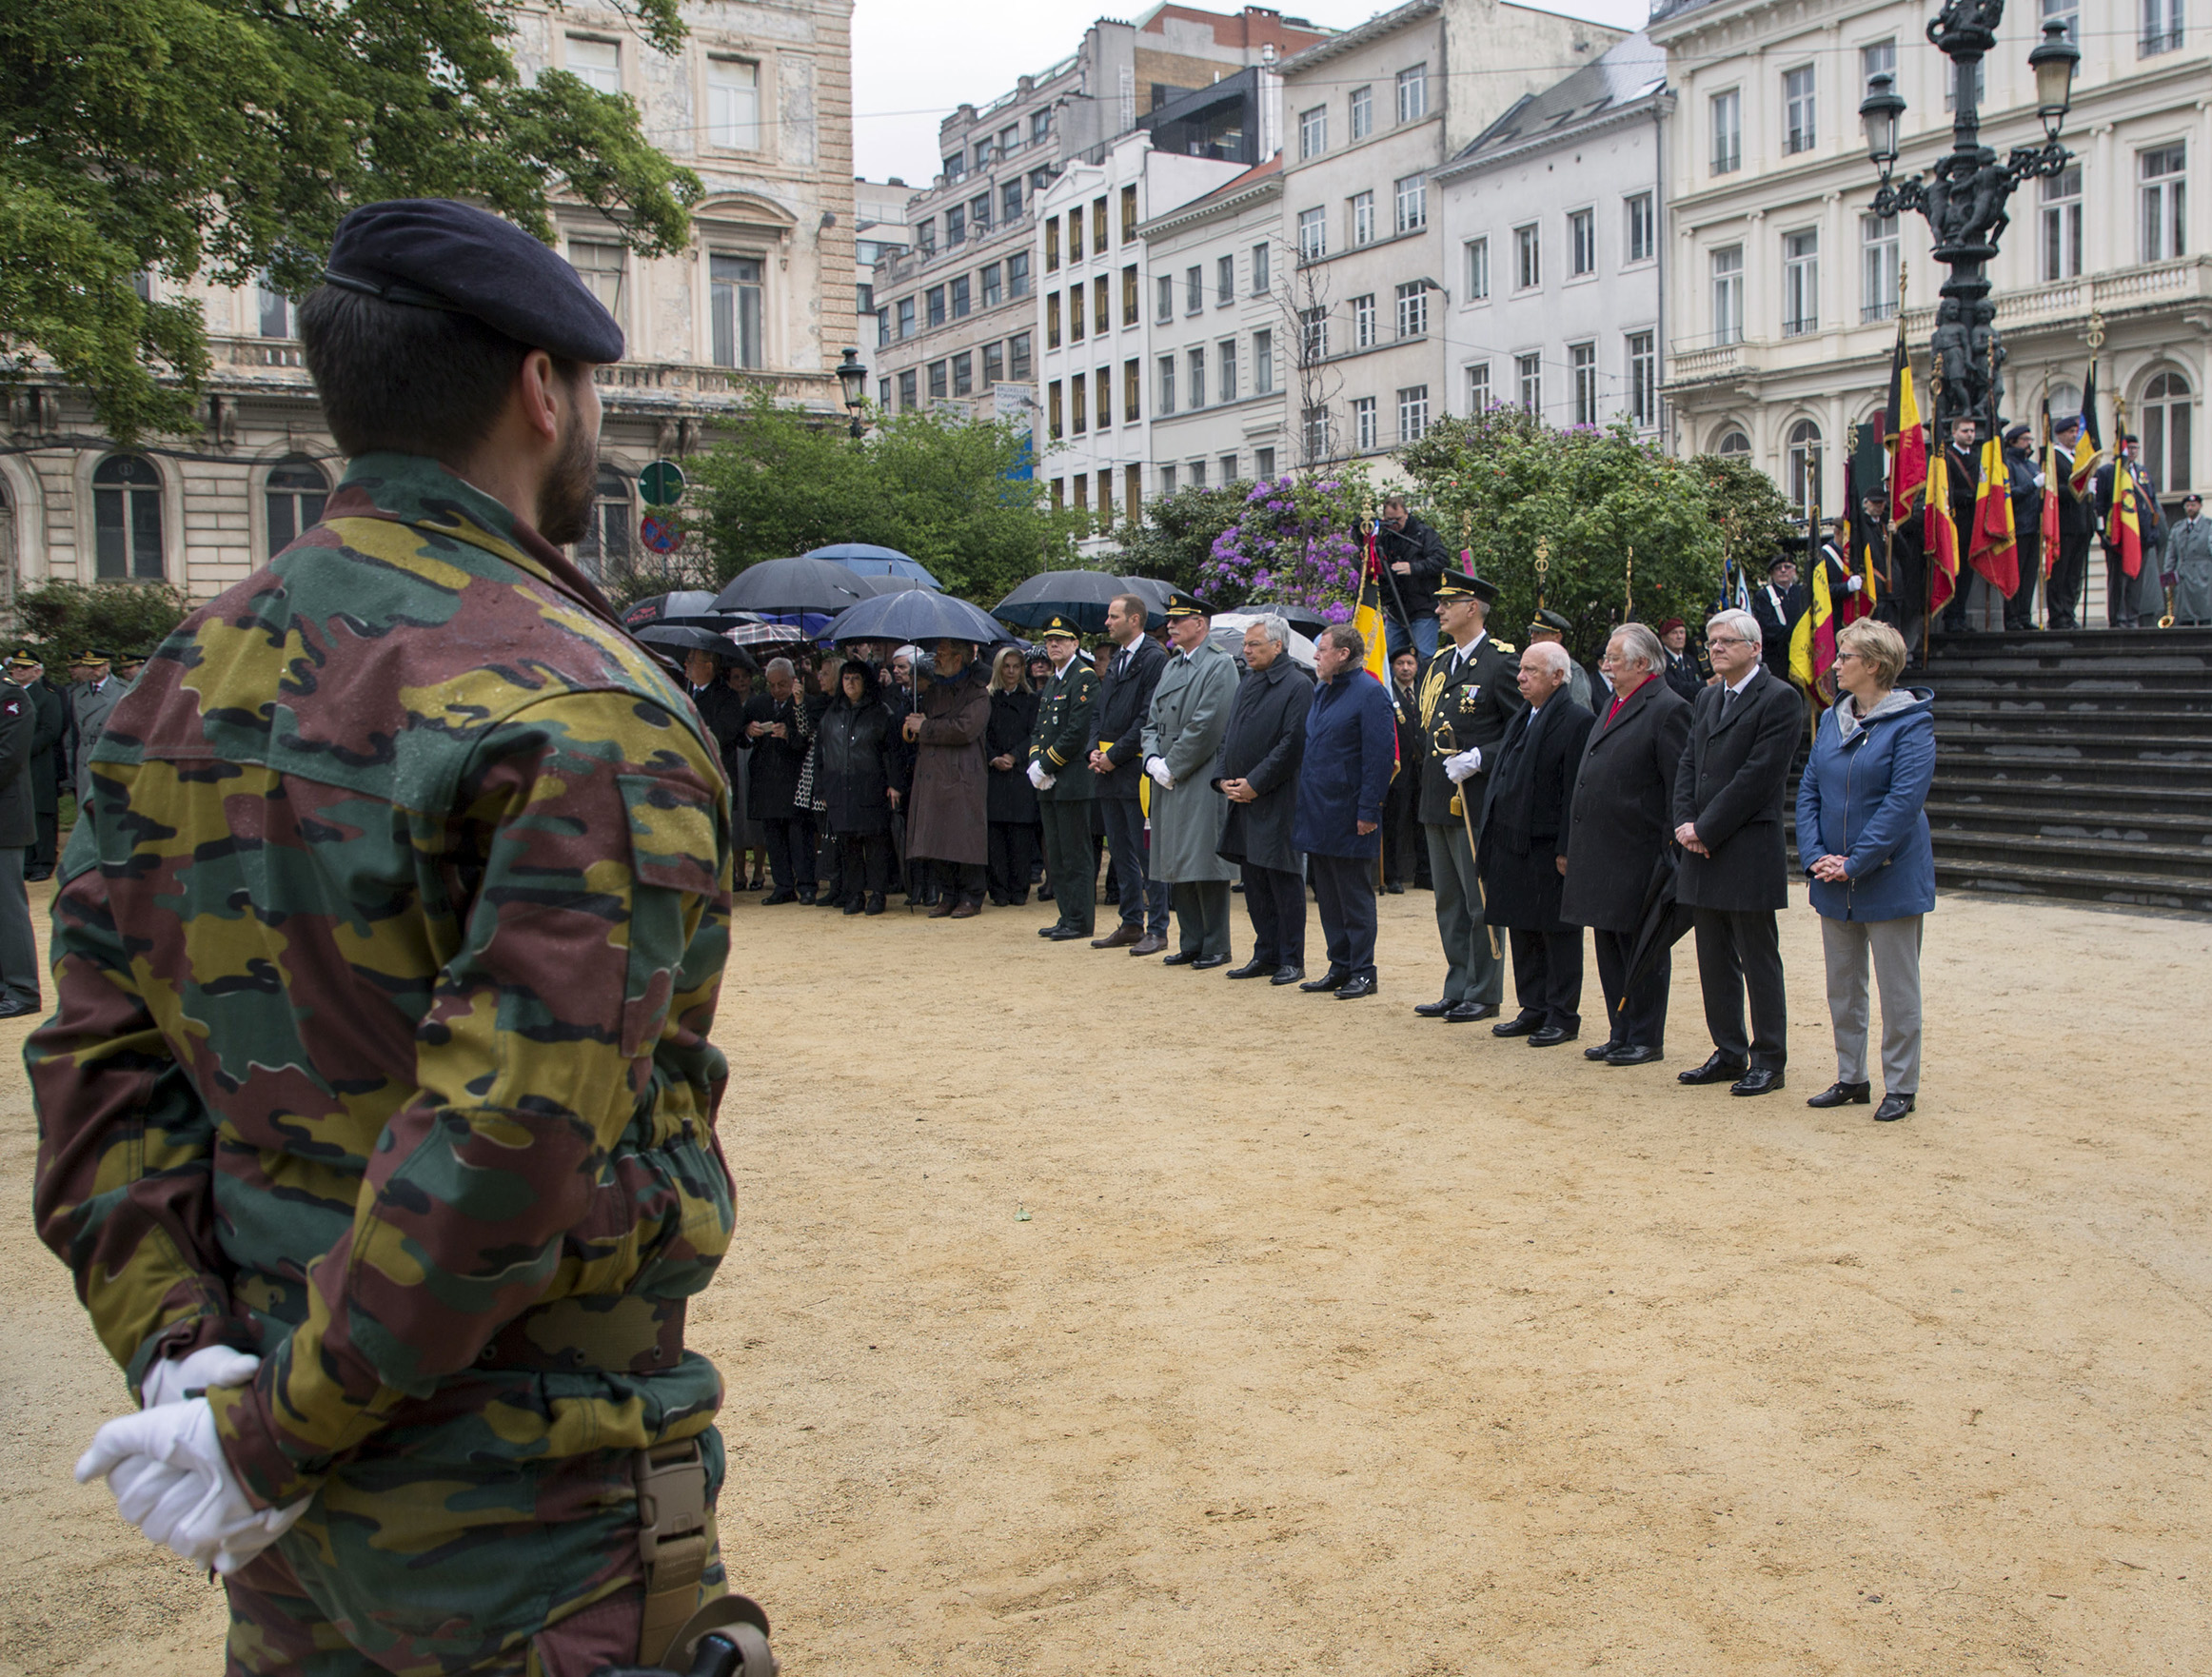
1778 603
1521 856
775 725
1405 852
1256 770
1735 872
1127 675
50 716
1619 818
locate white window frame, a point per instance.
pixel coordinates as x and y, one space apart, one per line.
2163 220
1799 111
1412 93
1363 322
1724 263
1410 195
1313 132
1879 255
1639 228
1362 108
1529 382
1799 281
1641 351
1479 397
1724 116
727 126
1478 269
1366 425
1528 257
595 75
2058 203
1362 219
1581 244
1413 300
1412 413
1582 381
1312 233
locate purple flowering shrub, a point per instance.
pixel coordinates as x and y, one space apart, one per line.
1295 541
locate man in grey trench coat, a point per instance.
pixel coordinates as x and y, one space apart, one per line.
1190 716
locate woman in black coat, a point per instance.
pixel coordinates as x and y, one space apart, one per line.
854 780
1010 801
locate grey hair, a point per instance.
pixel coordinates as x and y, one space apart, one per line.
1742 622
779 666
1641 647
1273 627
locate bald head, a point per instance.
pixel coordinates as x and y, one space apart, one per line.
1544 668
1548 656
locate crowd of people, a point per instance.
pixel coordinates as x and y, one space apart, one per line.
1651 809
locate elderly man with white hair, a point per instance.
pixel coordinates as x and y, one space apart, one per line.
1735 867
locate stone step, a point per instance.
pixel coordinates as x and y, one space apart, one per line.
2083 882
2080 823
2070 798
1969 696
2185 866
2176 730
2139 757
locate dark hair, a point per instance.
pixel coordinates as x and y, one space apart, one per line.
411 380
1346 639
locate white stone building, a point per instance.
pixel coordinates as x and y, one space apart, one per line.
1552 227
758 101
1783 289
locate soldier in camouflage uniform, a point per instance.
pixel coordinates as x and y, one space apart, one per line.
387 962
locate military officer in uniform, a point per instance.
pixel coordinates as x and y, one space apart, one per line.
1469 698
92 700
52 714
1059 750
21 768
419 1390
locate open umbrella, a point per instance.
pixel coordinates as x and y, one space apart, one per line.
661 609
1154 593
764 635
790 586
866 559
1228 634
917 616
1082 596
878 583
1303 618
682 638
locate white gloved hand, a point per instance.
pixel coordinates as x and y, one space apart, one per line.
167 1467
1158 768
1037 777
212 1365
1462 765
1855 584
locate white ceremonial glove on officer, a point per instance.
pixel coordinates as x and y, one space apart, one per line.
1463 764
1039 778
170 1480
1855 584
167 1382
1158 768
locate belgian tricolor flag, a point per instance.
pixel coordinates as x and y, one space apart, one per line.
1907 442
1995 548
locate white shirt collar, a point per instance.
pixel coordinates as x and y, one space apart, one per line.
1749 676
1461 654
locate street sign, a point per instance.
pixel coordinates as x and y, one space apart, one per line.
659 533
662 483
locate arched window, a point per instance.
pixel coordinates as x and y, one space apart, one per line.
296 492
1732 442
1804 451
605 548
2065 398
2164 429
127 518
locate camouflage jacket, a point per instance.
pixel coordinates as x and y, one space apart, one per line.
385 969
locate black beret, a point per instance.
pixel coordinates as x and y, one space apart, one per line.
435 253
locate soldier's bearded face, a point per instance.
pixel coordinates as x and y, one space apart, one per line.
565 501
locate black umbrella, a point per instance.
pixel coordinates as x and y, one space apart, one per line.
1660 924
790 586
874 583
1082 596
1156 594
661 609
1303 618
917 615
687 638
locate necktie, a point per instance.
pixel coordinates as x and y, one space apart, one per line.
1728 698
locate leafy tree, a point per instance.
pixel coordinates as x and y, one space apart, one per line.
61 619
222 138
941 489
1173 538
1755 518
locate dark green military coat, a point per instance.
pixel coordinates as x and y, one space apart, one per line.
1062 740
1462 705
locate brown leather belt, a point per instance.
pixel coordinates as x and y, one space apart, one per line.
628 1336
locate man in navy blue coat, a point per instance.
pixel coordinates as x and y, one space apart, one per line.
1351 748
1126 679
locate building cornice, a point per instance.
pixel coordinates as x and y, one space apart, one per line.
1376 29
1208 209
1612 117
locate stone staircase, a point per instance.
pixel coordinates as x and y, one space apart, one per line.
2075 765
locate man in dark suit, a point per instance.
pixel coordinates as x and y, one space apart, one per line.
1060 749
1126 680
1778 604
1405 853
2024 486
1618 819
50 713
1521 857
1962 463
2076 525
1682 672
1735 872
1468 701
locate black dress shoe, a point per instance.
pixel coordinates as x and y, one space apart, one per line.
1434 1010
1600 1051
876 904
1467 1013
1288 975
1551 1036
1356 989
1065 934
1758 1080
853 905
1633 1056
18 1010
1206 963
1519 1025
1395 890
776 898
1893 1108
1183 958
1251 969
1719 1068
1329 981
1048 931
1843 1094
806 899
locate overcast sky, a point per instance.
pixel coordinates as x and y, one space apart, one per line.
914 61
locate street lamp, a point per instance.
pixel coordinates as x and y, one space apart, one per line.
1964 195
854 377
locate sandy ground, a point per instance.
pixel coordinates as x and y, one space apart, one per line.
1340 1339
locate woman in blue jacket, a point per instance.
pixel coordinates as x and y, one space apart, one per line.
1351 748
1862 831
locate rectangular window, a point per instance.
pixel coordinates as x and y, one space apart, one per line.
1879 59
979 213
864 300
2164 220
1314 321
1263 464
1363 322
1101 305
1052 245
1059 486
935 297
1260 281
1529 370
1797 110
906 325
883 329
2162 27
733 104
1078 404
1041 125
1413 309
983 154
1074 314
1412 196
962 306
1728 132
1166 404
2059 215
1009 139
1080 484
964 373
597 64
1197 472
1950 74
1478 269
1642 231
1581 242
994 286
1132 390
925 235
276 309
1582 373
1129 232
1017 358
1129 295
1074 236
1018 275
1133 486
1878 266
598 265
1412 413
1197 385
1527 258
1362 219
1312 235
1098 226
1225 360
734 308
1366 432
1727 295
1194 289
1228 464
1414 93
1224 281
1315 431
1105 497
1263 363
936 381
993 363
1167 479
956 227
1164 298
1053 409
956 167
1313 132
909 391
1479 396
1362 113
1052 320
1642 352
1800 282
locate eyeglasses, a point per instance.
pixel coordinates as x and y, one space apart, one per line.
1726 641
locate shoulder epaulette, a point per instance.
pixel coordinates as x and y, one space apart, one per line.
1503 645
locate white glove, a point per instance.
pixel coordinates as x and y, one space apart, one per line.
166 1465
1464 764
1037 777
212 1365
1855 584
1158 768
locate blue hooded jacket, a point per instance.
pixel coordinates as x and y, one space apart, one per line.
1863 798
